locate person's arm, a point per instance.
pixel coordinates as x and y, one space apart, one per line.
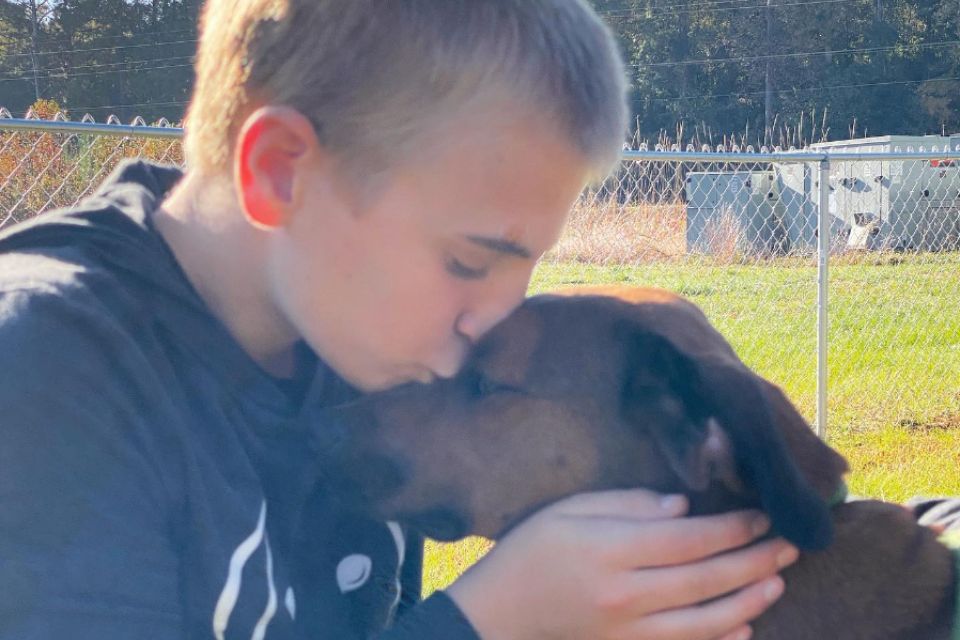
606 565
620 564
85 550
611 565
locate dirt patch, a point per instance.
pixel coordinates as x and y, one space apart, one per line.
601 233
946 421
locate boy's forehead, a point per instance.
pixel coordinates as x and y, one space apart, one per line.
496 163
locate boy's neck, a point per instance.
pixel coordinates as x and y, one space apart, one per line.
224 258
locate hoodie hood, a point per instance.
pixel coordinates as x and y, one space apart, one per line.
109 239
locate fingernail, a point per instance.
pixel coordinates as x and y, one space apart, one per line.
761 524
673 503
773 589
745 634
787 556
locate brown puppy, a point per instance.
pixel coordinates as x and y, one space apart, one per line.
617 388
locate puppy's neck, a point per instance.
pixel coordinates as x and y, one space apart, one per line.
719 498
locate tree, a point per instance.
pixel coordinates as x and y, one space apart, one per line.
890 66
129 57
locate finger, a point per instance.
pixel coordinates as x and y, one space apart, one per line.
667 542
689 584
717 619
637 504
743 633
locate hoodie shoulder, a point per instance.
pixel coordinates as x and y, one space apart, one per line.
118 212
106 241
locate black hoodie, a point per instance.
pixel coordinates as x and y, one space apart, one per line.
154 481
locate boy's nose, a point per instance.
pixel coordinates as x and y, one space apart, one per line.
473 324
469 327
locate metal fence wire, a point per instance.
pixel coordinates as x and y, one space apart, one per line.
52 164
861 323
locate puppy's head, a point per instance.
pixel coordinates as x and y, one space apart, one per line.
570 395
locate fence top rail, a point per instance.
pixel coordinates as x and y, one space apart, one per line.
786 156
67 126
729 157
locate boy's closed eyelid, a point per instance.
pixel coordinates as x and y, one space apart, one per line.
466 272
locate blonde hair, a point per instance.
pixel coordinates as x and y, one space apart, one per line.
375 77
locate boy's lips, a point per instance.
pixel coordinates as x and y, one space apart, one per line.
426 376
449 363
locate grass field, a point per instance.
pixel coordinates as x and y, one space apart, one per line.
894 357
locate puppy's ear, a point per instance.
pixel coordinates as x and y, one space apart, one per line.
732 395
658 395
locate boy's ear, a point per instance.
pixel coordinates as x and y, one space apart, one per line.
273 143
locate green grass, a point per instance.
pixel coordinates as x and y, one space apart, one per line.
894 360
896 463
894 354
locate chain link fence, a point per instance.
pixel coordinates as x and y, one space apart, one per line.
862 325
49 164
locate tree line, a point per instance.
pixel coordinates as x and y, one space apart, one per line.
749 71
123 57
790 71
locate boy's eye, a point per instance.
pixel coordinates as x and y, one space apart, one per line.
461 270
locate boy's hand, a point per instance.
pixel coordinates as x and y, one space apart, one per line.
621 565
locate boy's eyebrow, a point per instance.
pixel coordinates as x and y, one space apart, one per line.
500 245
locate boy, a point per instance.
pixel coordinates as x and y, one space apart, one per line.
369 184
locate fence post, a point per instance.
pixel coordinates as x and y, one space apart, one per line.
823 255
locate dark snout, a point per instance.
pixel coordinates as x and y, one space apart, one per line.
378 469
350 464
